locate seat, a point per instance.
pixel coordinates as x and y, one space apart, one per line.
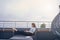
24 37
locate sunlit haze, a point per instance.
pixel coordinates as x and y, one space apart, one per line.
28 10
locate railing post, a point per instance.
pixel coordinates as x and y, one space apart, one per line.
27 24
38 24
3 26
15 24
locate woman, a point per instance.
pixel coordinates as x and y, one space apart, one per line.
28 32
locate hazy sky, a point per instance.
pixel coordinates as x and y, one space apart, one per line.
28 10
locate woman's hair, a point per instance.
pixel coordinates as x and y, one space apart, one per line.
33 25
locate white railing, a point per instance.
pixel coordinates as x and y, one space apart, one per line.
23 24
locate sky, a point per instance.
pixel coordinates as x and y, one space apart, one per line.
28 10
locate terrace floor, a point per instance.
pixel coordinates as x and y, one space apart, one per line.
44 36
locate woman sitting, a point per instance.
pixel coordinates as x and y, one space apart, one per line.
28 32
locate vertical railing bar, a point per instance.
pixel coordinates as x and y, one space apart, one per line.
27 24
38 24
3 26
15 24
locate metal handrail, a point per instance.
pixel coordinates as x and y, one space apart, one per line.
25 21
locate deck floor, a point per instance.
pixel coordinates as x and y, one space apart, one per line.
43 36
46 36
